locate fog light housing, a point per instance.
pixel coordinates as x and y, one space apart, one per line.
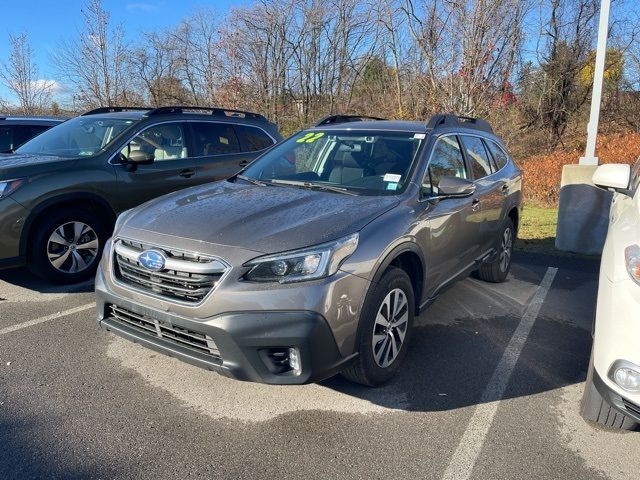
294 361
626 375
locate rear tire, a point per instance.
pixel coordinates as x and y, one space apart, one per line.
66 245
497 270
596 409
385 329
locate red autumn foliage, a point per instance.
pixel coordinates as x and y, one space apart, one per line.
542 173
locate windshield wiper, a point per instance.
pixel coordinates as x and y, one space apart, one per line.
255 181
312 185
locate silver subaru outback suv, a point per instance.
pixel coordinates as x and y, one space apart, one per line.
316 257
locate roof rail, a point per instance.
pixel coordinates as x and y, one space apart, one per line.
331 119
98 110
214 111
451 120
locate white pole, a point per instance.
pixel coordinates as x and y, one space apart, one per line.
598 76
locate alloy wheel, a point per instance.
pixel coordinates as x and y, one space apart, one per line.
506 246
390 327
72 247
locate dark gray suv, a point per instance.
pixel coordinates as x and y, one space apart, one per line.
316 257
60 192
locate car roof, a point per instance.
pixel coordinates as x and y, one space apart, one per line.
32 118
141 115
127 115
378 125
409 126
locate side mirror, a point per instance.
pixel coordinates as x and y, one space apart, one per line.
140 157
454 187
613 176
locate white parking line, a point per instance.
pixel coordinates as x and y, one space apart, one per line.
466 455
54 316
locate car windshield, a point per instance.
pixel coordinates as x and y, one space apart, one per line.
365 162
78 137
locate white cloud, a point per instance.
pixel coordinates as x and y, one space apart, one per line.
55 87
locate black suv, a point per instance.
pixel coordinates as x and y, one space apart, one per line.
60 192
16 130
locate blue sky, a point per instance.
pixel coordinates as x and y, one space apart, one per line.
48 22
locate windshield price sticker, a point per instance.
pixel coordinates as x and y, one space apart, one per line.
392 177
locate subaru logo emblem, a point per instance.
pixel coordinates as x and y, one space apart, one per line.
152 260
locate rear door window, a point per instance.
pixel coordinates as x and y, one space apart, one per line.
499 155
212 138
477 155
252 138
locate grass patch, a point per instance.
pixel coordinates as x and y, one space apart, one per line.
537 232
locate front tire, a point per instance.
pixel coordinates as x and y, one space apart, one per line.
596 409
67 245
497 270
385 329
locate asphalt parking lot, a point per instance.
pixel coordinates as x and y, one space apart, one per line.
490 390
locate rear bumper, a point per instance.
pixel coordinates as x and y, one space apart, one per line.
245 340
617 402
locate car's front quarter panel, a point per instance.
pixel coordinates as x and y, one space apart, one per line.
379 238
617 323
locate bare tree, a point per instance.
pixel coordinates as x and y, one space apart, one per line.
468 49
155 63
96 63
20 75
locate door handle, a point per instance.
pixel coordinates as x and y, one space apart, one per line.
505 189
187 173
475 204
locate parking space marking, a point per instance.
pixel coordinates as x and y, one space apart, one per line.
472 441
48 318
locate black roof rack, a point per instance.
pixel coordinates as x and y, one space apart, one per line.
217 112
331 119
451 120
98 110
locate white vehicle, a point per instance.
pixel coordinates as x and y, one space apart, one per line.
612 392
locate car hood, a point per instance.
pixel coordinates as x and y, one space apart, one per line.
18 165
265 219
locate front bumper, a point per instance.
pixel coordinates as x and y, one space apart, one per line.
616 331
621 404
245 340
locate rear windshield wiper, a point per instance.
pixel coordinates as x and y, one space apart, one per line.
319 186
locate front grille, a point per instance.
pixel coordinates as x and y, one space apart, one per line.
186 277
632 407
195 341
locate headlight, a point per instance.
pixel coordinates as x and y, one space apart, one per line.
632 260
301 265
7 187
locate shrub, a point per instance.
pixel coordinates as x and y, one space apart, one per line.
542 173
